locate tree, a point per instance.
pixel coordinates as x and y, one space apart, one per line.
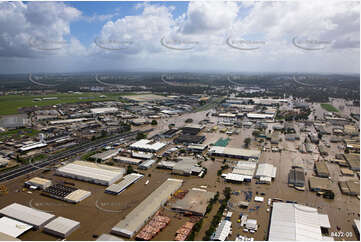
247 142
130 169
141 136
154 122
189 120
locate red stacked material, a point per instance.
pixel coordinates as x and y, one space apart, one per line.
183 232
155 225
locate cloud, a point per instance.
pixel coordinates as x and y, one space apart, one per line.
36 23
201 30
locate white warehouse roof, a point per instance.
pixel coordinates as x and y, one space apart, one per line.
126 182
295 222
91 172
103 110
146 144
235 152
266 170
61 227
13 227
27 215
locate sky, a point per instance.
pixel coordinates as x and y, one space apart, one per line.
304 36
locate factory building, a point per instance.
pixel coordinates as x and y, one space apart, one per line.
12 228
31 216
296 222
91 172
146 164
106 155
61 227
147 145
184 166
321 169
124 184
318 184
266 172
146 209
243 154
98 111
195 202
296 178
127 160
38 182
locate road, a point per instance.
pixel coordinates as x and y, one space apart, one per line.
66 154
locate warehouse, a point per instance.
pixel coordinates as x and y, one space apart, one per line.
3 162
246 168
318 184
108 237
321 169
266 172
222 231
32 146
236 153
61 227
103 110
13 227
351 188
104 155
91 172
27 215
66 193
146 164
236 178
296 178
353 160
170 133
259 116
197 148
38 182
147 145
146 209
127 160
192 129
195 202
290 222
166 165
67 121
189 139
184 166
124 184
142 155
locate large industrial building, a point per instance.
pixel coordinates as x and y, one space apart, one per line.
12 228
27 215
61 227
266 172
146 209
147 145
236 153
296 222
126 182
194 202
91 172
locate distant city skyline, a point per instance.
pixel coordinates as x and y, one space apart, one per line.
313 37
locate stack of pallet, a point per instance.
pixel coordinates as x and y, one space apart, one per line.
183 232
155 225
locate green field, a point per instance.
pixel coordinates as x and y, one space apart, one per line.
328 107
10 104
18 133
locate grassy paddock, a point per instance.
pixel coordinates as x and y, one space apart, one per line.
328 107
10 104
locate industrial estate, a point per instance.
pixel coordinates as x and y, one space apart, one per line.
119 148
160 167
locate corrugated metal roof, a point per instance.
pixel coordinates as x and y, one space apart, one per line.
25 214
61 225
13 227
295 222
126 182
